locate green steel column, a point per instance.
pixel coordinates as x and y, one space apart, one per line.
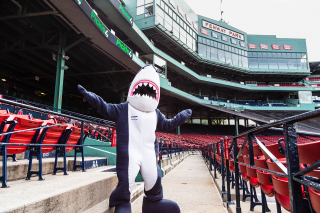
217 94
178 130
236 122
122 96
199 91
58 92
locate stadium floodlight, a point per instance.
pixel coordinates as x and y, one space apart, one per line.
65 57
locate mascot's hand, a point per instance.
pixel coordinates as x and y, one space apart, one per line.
187 112
82 90
89 96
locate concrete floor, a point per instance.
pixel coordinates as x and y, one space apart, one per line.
191 186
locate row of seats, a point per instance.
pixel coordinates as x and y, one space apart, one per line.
313 78
289 85
276 185
67 134
243 102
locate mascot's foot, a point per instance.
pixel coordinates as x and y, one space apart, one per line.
160 206
123 208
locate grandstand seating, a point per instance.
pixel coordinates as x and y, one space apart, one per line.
314 78
68 134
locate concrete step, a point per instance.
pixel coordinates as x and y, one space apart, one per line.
18 169
76 192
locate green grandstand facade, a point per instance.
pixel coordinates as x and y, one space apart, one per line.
216 69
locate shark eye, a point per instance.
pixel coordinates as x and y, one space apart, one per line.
145 90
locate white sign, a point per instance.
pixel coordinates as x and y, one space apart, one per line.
222 30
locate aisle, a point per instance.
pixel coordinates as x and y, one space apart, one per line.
191 186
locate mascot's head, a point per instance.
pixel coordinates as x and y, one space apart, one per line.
144 91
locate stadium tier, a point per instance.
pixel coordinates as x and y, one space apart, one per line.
204 64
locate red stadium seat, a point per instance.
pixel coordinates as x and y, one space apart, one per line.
266 186
53 135
314 198
24 122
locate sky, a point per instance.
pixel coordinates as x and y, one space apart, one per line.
283 18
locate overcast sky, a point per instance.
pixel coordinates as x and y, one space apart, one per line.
283 18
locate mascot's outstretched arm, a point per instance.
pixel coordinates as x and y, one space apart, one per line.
109 111
168 124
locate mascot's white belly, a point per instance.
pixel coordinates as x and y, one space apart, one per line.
142 127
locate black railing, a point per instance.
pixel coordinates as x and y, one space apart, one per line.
294 176
60 144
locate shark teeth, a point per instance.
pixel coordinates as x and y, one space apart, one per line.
145 90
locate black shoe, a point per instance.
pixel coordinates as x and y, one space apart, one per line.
123 208
160 206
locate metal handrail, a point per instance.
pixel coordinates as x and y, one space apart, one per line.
295 118
106 122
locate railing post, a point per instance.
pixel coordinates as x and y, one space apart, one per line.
292 158
223 192
229 201
236 174
210 157
214 161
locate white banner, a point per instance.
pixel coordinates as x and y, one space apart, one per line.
222 30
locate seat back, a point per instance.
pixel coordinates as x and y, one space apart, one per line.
261 162
315 199
251 172
273 148
309 152
273 167
74 138
53 135
281 185
24 122
264 177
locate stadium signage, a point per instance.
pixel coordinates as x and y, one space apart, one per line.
263 46
188 19
122 11
242 44
233 41
92 15
123 47
214 35
275 47
222 30
287 47
252 46
224 38
180 11
203 31
98 22
195 26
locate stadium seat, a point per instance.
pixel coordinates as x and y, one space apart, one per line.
49 135
314 199
71 137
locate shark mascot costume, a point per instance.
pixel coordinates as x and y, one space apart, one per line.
137 146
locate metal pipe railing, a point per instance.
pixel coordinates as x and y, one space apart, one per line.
105 123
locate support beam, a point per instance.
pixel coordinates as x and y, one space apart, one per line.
178 130
236 122
60 72
29 15
75 43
